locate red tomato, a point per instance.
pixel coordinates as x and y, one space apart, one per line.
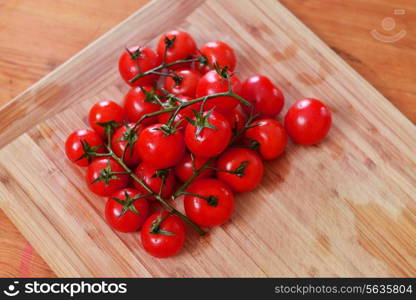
123 141
212 83
105 112
270 135
220 53
268 100
188 81
252 172
181 115
185 168
136 105
237 119
163 235
100 179
160 149
154 178
216 206
126 211
83 144
209 142
308 121
183 47
139 57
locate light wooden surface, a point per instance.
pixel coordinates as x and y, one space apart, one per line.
378 248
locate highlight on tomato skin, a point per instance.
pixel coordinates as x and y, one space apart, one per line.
308 121
188 129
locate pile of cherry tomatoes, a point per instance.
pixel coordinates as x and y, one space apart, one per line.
188 128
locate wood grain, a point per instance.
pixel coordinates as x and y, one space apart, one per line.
322 237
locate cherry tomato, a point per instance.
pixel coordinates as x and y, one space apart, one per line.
183 47
105 112
136 105
270 135
212 83
100 179
250 164
220 53
185 168
216 206
133 59
237 119
188 81
268 100
123 141
181 115
126 211
160 148
308 121
154 178
208 141
81 145
163 235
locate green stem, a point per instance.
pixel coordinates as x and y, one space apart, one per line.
197 100
162 66
158 197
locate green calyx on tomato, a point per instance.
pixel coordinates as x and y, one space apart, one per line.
223 72
89 151
169 42
134 54
155 228
106 175
201 120
130 137
108 126
128 203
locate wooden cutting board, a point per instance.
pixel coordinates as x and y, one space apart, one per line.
344 208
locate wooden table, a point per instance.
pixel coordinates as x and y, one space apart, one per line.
37 36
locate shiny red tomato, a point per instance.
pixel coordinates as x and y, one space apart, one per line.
159 148
208 141
136 105
105 112
270 136
308 121
135 59
189 79
268 100
81 145
220 53
100 177
163 235
154 178
250 164
183 47
212 83
209 202
185 169
123 142
181 115
126 210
